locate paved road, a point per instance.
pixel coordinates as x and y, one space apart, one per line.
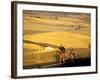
41 43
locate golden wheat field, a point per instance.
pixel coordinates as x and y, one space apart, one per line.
45 31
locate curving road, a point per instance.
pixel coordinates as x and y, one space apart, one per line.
41 44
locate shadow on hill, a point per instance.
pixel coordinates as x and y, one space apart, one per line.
68 63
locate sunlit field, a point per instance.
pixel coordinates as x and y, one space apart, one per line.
44 32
